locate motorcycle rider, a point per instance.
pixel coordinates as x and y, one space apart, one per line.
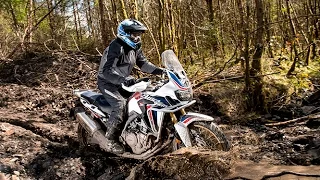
115 68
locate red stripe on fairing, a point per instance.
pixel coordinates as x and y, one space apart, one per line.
137 95
95 114
180 87
187 120
150 115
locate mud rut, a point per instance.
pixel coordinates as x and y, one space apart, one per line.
38 138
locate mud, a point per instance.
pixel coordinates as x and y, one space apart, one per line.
38 137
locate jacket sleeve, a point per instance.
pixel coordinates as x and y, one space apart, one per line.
111 57
145 65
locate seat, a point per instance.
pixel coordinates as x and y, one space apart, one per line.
98 100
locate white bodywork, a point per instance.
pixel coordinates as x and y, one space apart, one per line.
177 83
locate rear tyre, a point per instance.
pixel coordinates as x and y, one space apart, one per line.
82 136
206 135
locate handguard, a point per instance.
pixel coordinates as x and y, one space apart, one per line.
138 87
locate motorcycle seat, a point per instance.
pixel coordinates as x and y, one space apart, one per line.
98 100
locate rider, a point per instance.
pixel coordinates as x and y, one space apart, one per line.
115 68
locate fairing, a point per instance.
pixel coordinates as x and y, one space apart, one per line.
177 75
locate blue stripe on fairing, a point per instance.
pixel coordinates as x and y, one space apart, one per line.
154 115
162 99
175 78
184 118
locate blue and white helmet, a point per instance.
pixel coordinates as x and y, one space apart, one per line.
126 28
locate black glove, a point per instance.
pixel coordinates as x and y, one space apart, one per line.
129 81
158 71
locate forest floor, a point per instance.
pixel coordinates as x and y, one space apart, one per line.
38 138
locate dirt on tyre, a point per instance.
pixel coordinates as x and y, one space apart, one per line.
206 135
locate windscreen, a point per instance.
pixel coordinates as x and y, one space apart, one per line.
170 61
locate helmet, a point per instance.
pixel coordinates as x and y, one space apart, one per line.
129 31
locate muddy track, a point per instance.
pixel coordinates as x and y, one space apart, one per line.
38 140
28 125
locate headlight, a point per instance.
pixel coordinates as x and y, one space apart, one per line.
183 95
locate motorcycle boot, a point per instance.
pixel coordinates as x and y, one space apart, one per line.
114 130
113 143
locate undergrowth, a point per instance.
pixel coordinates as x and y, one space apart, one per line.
279 88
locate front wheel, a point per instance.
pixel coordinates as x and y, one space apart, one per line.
206 135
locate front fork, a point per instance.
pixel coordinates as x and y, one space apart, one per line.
181 129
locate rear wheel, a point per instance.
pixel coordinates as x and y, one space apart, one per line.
206 135
82 136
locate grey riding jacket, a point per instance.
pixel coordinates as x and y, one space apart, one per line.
117 63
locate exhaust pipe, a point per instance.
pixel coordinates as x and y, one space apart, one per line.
93 128
90 125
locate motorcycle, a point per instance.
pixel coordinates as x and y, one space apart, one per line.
156 119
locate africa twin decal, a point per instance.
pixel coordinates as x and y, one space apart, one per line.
157 102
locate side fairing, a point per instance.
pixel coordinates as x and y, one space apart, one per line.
133 104
143 104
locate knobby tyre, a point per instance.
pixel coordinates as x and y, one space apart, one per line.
206 135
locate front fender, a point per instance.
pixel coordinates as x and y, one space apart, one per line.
182 126
191 117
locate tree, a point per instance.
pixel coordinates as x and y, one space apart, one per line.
258 97
103 29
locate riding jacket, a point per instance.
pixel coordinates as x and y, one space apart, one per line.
117 63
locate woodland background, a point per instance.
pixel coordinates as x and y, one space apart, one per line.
253 63
271 46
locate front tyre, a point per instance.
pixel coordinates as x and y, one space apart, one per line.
206 135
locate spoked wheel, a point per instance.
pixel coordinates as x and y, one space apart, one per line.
206 135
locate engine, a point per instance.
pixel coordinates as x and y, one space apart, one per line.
136 136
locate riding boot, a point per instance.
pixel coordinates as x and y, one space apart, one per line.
113 141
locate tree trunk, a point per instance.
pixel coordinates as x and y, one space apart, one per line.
103 29
161 25
14 18
75 18
111 23
79 22
210 10
172 27
115 13
123 8
89 18
168 21
258 96
51 21
179 29
246 54
221 29
241 32
293 40
134 11
315 32
30 20
268 27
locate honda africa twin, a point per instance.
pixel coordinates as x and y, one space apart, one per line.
156 119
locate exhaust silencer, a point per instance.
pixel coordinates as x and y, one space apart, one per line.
94 129
90 125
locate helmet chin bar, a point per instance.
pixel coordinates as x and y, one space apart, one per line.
135 39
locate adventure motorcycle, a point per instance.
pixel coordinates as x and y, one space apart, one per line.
155 116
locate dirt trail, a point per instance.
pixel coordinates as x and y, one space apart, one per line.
38 138
250 170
